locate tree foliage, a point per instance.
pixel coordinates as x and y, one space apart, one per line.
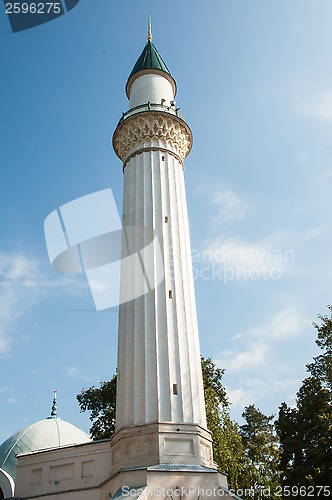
262 452
214 391
321 368
228 451
306 437
306 431
101 402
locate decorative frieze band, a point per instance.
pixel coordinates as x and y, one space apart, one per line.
165 128
147 149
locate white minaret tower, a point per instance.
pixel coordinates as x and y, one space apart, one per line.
160 399
161 449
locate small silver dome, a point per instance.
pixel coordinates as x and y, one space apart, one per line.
48 433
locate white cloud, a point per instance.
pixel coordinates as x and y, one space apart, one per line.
261 340
303 157
319 231
16 266
255 356
286 323
21 287
240 397
13 401
238 336
229 207
287 382
14 299
74 372
325 175
317 105
259 371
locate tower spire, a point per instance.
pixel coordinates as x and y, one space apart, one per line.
149 30
54 412
150 60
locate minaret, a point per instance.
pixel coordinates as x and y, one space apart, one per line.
160 399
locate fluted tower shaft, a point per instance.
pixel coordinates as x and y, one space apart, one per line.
159 384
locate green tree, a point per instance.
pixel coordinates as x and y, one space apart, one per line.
228 451
305 434
101 402
260 443
321 367
215 396
305 431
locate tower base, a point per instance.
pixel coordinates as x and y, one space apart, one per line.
87 472
161 443
167 481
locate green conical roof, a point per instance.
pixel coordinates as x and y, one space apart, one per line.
149 59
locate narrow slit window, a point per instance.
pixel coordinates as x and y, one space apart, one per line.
166 219
163 158
170 294
175 388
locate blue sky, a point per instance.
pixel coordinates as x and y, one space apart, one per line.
255 84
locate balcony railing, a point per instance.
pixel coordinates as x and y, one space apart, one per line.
150 106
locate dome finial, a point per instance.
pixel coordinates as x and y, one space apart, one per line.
149 30
54 412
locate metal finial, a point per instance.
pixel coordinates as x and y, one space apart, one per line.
54 412
149 30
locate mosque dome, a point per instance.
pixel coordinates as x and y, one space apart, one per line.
48 433
51 432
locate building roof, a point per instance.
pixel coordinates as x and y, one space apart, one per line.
149 59
45 434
